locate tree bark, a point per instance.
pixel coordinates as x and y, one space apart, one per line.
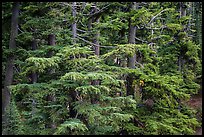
51 42
96 47
182 9
182 13
197 23
96 41
51 97
34 75
72 111
74 25
10 61
96 19
132 59
131 39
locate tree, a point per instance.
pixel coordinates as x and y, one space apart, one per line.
132 58
103 69
74 25
10 64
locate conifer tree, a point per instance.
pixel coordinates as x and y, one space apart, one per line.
119 68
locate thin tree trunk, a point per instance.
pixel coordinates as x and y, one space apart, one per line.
179 63
51 42
132 59
182 13
33 78
96 48
74 25
198 25
51 98
72 112
34 75
96 41
90 24
10 61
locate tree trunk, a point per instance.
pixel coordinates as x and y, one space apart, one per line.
96 41
72 112
197 23
90 24
34 75
51 97
51 42
179 63
96 19
74 25
10 61
131 39
182 9
182 13
132 59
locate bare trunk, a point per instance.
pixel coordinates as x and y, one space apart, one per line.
90 24
182 9
10 61
51 97
74 25
182 13
132 59
34 76
94 97
179 63
95 19
96 41
197 23
131 39
51 42
72 111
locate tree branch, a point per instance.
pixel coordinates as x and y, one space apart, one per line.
81 30
156 16
93 43
163 26
141 40
20 30
101 10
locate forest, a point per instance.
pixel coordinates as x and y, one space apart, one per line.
101 68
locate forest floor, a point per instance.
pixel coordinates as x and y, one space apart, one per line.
196 103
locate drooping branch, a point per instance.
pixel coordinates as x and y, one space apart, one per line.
98 12
141 40
93 43
139 64
156 16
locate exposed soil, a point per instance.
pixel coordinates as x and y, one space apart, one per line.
196 103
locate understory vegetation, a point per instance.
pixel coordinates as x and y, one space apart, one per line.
100 68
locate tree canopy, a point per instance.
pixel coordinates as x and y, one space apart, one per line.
100 68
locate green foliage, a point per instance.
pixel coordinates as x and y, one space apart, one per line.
14 124
85 94
72 126
40 64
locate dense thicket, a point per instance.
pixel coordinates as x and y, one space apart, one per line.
92 68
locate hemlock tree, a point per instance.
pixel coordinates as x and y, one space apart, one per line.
10 61
135 81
